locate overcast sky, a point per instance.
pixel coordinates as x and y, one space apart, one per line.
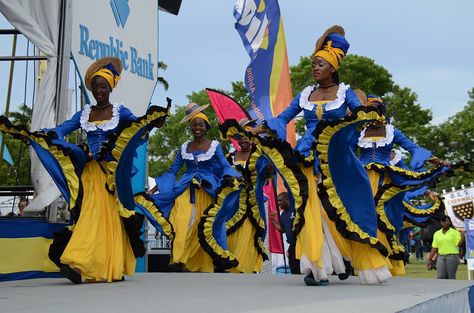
426 45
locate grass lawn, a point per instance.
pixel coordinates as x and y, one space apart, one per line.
417 269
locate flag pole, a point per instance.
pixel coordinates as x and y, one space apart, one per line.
275 177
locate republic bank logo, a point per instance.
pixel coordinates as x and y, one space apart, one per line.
121 11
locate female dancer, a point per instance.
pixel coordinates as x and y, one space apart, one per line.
330 100
103 241
389 183
183 202
246 228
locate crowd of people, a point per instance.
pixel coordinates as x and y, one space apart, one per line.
343 208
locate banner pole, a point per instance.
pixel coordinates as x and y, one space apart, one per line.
278 215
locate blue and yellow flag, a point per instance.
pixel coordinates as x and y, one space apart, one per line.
267 77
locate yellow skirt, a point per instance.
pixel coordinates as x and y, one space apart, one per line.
397 267
99 246
309 242
241 244
343 244
185 217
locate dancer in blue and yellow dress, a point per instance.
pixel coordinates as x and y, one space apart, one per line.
246 227
103 241
389 182
183 202
348 230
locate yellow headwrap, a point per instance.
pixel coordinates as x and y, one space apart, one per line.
201 115
374 101
108 75
333 55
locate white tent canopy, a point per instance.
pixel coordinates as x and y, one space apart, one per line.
40 23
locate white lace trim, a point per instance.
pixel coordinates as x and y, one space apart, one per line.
105 126
368 142
200 157
304 98
397 157
331 105
238 162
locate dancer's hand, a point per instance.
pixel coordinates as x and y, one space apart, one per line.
257 130
152 190
438 161
432 195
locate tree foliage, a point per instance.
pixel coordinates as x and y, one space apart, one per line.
363 73
406 113
19 172
301 76
454 140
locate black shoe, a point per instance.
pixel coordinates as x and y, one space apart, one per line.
323 282
70 274
309 280
121 279
343 276
176 267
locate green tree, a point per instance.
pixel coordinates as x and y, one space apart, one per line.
161 80
164 144
453 140
19 172
22 116
240 94
358 71
363 73
459 132
301 75
407 114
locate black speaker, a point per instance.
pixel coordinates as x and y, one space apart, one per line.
170 6
158 262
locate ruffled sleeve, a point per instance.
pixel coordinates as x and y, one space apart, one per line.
126 114
345 98
419 155
166 181
67 127
279 123
351 100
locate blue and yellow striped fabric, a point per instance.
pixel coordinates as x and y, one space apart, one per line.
24 246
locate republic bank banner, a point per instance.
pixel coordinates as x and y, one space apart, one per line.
460 205
127 29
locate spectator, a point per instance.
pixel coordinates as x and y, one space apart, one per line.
418 245
22 204
446 242
285 225
427 232
405 241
